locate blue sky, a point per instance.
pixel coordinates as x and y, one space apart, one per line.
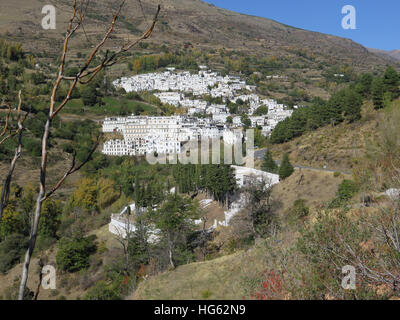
378 21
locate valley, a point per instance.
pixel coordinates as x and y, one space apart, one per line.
127 177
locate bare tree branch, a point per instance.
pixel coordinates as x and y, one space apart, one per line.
73 169
75 22
5 192
3 133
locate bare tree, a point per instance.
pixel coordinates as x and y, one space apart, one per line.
4 136
204 237
123 236
258 211
384 244
85 75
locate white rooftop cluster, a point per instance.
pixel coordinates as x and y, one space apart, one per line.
205 82
172 87
276 113
163 135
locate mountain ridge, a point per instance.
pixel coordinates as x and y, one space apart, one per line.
201 24
391 54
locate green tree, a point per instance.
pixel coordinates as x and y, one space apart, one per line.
263 110
259 214
352 105
175 220
391 81
286 169
73 254
138 245
268 163
364 84
377 91
245 120
50 220
89 95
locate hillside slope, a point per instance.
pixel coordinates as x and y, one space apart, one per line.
224 277
393 54
181 22
334 147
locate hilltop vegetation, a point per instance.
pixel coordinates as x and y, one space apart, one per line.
344 105
190 33
327 221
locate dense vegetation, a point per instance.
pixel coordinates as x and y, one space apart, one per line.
344 105
164 194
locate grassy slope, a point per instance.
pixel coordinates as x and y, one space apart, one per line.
335 147
111 107
222 278
192 281
71 286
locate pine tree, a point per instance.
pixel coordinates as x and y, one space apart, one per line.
269 164
377 91
352 105
391 81
286 169
364 84
137 193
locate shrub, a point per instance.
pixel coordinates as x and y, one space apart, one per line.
272 286
336 174
286 169
102 291
11 251
299 210
73 254
347 190
11 293
206 294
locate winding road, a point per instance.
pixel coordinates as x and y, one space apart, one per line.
259 154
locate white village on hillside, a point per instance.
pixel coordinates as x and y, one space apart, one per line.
142 135
164 135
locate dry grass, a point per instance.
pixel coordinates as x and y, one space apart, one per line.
218 276
316 187
334 147
71 286
223 277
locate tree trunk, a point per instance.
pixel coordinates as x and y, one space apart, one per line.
171 261
38 209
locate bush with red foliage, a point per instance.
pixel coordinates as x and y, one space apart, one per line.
272 287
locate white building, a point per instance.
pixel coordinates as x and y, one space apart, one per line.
163 135
220 117
173 84
244 173
122 224
172 98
